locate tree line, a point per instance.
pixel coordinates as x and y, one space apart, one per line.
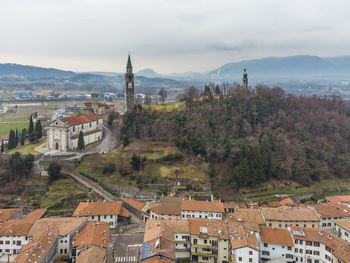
249 138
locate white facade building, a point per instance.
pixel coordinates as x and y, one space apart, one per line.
182 245
202 209
63 134
342 229
245 254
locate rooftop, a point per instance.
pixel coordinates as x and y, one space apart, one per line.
332 210
343 253
101 208
80 119
211 227
6 214
276 236
287 201
343 223
204 206
157 248
16 228
91 255
134 203
285 213
93 233
165 228
338 198
35 215
165 208
240 236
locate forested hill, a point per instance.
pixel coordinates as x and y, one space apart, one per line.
252 138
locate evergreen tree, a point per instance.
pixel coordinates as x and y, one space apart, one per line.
54 171
81 143
2 146
23 136
38 130
31 133
16 137
12 140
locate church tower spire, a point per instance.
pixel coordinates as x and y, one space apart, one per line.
245 79
129 86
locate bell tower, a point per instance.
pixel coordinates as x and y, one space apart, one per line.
245 80
129 86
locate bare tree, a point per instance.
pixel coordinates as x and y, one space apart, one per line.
192 93
148 99
163 95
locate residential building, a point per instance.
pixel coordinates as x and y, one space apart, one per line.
252 218
7 214
244 244
342 229
93 254
209 241
329 212
158 250
42 248
342 254
286 201
136 207
202 209
284 217
111 212
336 199
92 234
66 227
166 208
314 245
63 134
275 243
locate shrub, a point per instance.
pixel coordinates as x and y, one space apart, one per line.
109 168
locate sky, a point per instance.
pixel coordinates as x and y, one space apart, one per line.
168 35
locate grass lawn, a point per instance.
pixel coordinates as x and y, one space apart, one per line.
87 147
5 128
29 148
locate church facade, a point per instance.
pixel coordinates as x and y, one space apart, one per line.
63 134
129 86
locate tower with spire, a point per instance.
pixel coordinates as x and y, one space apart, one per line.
245 80
129 86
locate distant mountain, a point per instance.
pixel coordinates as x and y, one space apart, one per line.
9 69
149 73
285 67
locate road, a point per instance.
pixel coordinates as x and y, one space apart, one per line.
108 143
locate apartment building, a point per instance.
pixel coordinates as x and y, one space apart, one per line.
342 229
342 254
202 209
284 217
111 212
209 241
275 243
330 212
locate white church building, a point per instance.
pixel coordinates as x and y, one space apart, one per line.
63 134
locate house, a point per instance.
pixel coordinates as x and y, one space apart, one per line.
329 212
5 139
111 212
42 248
35 215
93 254
286 201
342 228
166 208
275 243
7 214
135 207
284 217
314 245
175 231
344 199
252 218
96 107
230 207
63 134
209 240
342 254
92 234
158 250
202 209
244 244
66 227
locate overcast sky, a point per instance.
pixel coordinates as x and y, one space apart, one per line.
168 35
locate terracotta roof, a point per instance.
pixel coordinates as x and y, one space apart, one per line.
343 223
5 137
157 260
317 235
35 250
240 236
165 228
92 255
165 208
101 208
276 236
205 206
6 214
80 119
93 233
171 199
287 201
16 228
343 253
332 210
165 248
231 205
247 215
213 227
134 203
64 225
35 215
76 136
338 198
285 213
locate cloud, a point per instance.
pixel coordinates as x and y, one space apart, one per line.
168 35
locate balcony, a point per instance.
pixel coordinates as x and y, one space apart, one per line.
203 254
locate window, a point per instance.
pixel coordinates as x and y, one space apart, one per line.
105 217
329 224
1 242
65 241
250 252
296 241
307 251
205 241
240 259
300 250
289 248
90 125
195 241
304 225
82 126
270 224
308 243
313 225
74 128
205 258
65 251
317 253
19 242
265 253
265 244
296 250
301 242
61 251
93 217
279 225
250 260
7 242
316 244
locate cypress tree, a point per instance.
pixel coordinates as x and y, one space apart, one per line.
2 146
81 143
24 135
38 130
12 140
31 133
16 137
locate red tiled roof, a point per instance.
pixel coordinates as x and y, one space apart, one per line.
80 119
287 201
338 198
206 206
101 208
276 236
5 137
85 134
134 203
93 233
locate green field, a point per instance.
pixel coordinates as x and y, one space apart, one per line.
29 148
5 128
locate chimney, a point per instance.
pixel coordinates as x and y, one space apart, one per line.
211 198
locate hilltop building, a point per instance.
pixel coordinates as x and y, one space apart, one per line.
63 134
244 87
94 106
129 86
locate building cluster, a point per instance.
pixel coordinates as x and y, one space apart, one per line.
213 231
82 238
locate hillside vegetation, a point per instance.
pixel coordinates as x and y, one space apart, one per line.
252 138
